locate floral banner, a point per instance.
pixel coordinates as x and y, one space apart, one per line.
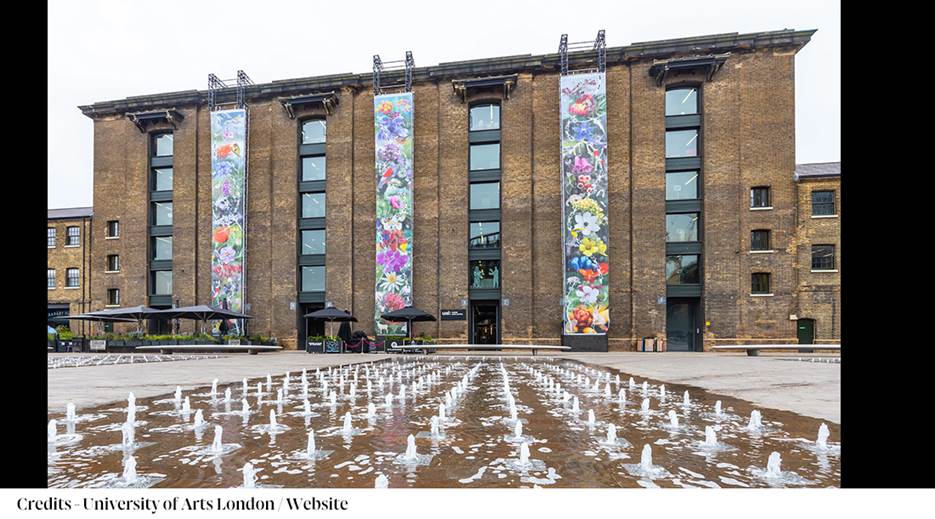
584 203
392 118
228 200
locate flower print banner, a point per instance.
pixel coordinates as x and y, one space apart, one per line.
392 118
228 200
584 203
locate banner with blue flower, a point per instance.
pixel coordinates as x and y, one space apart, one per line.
584 203
393 132
228 198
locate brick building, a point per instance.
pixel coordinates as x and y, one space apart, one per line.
69 263
700 148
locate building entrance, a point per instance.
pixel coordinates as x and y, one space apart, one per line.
682 327
309 327
485 322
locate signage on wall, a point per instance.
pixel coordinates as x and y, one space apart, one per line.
506 301
454 315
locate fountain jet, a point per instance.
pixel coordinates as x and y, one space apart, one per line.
772 465
411 454
823 434
129 470
646 458
611 433
216 445
755 422
70 412
249 476
310 446
710 439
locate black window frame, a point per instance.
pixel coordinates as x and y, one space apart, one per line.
53 278
483 104
832 203
52 237
486 247
697 183
153 248
154 274
154 147
311 187
682 270
755 246
73 240
499 196
154 179
113 260
324 278
69 277
111 300
684 86
767 276
697 139
112 225
499 276
832 263
753 198
302 242
154 204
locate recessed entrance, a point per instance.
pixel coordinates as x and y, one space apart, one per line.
682 326
309 327
805 329
485 322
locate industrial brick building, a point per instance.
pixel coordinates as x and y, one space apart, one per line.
700 155
69 263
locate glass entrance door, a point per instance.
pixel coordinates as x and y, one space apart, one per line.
681 325
485 322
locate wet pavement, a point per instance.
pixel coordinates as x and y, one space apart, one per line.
475 446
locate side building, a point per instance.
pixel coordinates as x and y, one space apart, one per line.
69 260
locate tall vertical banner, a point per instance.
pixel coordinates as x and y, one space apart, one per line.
393 132
584 203
228 204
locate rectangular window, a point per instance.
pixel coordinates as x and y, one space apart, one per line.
113 296
72 278
759 196
51 237
681 143
759 283
314 131
313 242
74 237
485 274
759 239
113 229
162 248
485 235
162 282
313 168
162 213
485 117
313 205
682 185
682 101
822 257
682 270
162 179
682 227
162 145
822 203
485 156
113 263
313 279
51 275
485 195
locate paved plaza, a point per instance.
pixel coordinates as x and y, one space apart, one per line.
807 388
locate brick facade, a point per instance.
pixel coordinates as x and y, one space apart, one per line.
818 293
62 257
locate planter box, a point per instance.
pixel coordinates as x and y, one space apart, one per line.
133 343
315 347
118 343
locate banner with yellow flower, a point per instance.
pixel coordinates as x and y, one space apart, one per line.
584 203
392 118
228 215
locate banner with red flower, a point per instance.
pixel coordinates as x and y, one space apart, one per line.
392 121
228 198
584 203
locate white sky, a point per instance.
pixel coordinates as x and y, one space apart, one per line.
101 50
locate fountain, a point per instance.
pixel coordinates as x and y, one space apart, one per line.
199 419
128 433
388 400
441 412
333 398
717 409
70 413
269 383
279 396
646 458
662 392
52 432
214 389
306 407
622 397
710 439
129 470
186 407
632 384
524 454
272 420
402 393
348 428
178 393
131 409
644 407
411 454
518 431
249 476
244 407
227 395
591 418
772 466
823 433
755 422
244 387
673 420
259 389
607 393
611 433
216 445
685 400
310 447
574 406
645 387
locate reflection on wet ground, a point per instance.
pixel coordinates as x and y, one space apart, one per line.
463 414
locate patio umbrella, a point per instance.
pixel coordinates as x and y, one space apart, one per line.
136 313
330 314
201 313
408 314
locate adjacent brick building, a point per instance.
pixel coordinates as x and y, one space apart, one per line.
702 286
69 263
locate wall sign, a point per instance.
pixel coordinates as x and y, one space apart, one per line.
457 314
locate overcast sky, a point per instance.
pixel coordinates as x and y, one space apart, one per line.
101 50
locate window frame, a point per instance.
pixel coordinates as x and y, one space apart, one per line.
682 270
769 284
107 230
481 104
324 278
155 204
154 147
154 274
111 301
498 277
324 242
697 155
769 240
832 203
697 183
52 233
53 278
833 267
109 267
69 277
499 196
499 234
76 236
306 120
769 198
682 86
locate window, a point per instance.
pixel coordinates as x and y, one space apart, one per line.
51 237
759 283
313 279
162 282
313 205
313 168
822 203
162 179
682 270
113 296
313 242
485 235
51 276
485 156
485 117
822 257
113 229
485 274
681 143
162 248
72 278
485 195
162 213
759 239
682 185
113 263
314 131
682 101
162 145
74 237
682 227
759 196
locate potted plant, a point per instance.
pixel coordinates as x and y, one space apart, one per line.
333 344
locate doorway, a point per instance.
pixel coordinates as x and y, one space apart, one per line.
682 327
485 322
805 330
309 327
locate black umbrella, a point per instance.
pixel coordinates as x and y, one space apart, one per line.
330 314
408 314
136 313
201 313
